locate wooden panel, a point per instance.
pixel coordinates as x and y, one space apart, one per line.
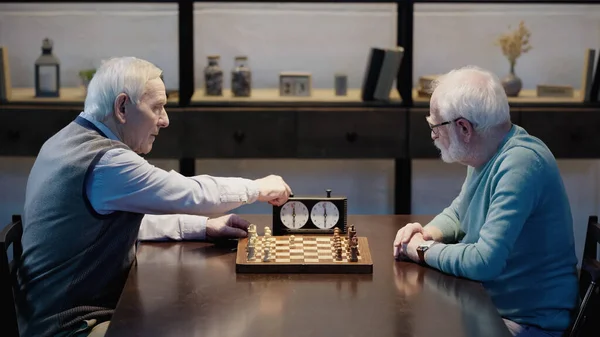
24 131
230 133
352 133
568 133
68 95
528 96
271 95
421 144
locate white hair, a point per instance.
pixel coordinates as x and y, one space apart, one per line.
117 75
474 94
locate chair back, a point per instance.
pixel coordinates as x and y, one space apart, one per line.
586 319
10 235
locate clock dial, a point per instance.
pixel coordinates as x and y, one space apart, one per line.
325 214
294 214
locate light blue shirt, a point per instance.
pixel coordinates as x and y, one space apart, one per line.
124 181
511 228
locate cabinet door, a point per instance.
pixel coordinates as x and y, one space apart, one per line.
569 133
24 131
352 133
421 144
169 142
244 133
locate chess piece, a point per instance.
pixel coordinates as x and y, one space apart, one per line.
353 254
251 249
251 231
292 241
266 254
353 250
338 253
351 235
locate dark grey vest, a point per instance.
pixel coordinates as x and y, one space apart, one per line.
75 261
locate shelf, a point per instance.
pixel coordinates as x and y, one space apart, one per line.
525 96
570 2
262 96
67 96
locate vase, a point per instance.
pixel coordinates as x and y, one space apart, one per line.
512 83
213 77
241 78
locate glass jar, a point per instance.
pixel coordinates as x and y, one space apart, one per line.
213 77
241 77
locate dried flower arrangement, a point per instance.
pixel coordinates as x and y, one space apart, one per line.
514 44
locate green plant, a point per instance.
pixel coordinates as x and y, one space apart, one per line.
87 74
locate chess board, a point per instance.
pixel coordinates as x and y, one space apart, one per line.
308 254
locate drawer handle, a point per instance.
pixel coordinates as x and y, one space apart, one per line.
14 135
351 136
239 136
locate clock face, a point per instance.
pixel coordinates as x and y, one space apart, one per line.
294 214
325 214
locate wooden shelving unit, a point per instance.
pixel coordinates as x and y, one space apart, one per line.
320 126
526 96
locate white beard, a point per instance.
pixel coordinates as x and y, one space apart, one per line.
456 151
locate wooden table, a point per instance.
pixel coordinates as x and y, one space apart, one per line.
192 289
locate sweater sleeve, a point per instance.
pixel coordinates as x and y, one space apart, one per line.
516 187
448 221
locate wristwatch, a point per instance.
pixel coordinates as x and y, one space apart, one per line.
422 248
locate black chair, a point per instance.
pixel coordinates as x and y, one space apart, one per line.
586 322
10 235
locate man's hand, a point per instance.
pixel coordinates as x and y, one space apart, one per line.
227 226
413 244
406 233
273 189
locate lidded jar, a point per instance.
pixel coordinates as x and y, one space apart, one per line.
213 77
241 77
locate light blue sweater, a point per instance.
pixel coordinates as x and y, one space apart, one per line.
511 228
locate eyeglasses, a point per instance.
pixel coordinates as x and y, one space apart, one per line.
433 127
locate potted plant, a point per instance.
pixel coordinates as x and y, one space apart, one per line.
514 44
86 76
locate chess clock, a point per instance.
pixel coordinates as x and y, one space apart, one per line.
311 215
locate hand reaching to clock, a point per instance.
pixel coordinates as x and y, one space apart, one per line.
273 189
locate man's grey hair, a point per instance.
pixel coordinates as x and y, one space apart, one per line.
474 94
117 75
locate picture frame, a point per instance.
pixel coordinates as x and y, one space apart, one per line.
381 72
295 84
5 83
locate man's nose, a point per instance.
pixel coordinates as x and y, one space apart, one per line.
164 120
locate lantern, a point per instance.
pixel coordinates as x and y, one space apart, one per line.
47 72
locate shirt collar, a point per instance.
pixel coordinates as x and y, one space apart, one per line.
100 126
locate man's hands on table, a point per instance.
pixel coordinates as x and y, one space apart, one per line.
227 226
409 237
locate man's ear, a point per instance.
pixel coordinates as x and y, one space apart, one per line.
120 108
465 128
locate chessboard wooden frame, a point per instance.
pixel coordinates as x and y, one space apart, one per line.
363 266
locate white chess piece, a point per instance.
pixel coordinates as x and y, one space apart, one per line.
266 254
